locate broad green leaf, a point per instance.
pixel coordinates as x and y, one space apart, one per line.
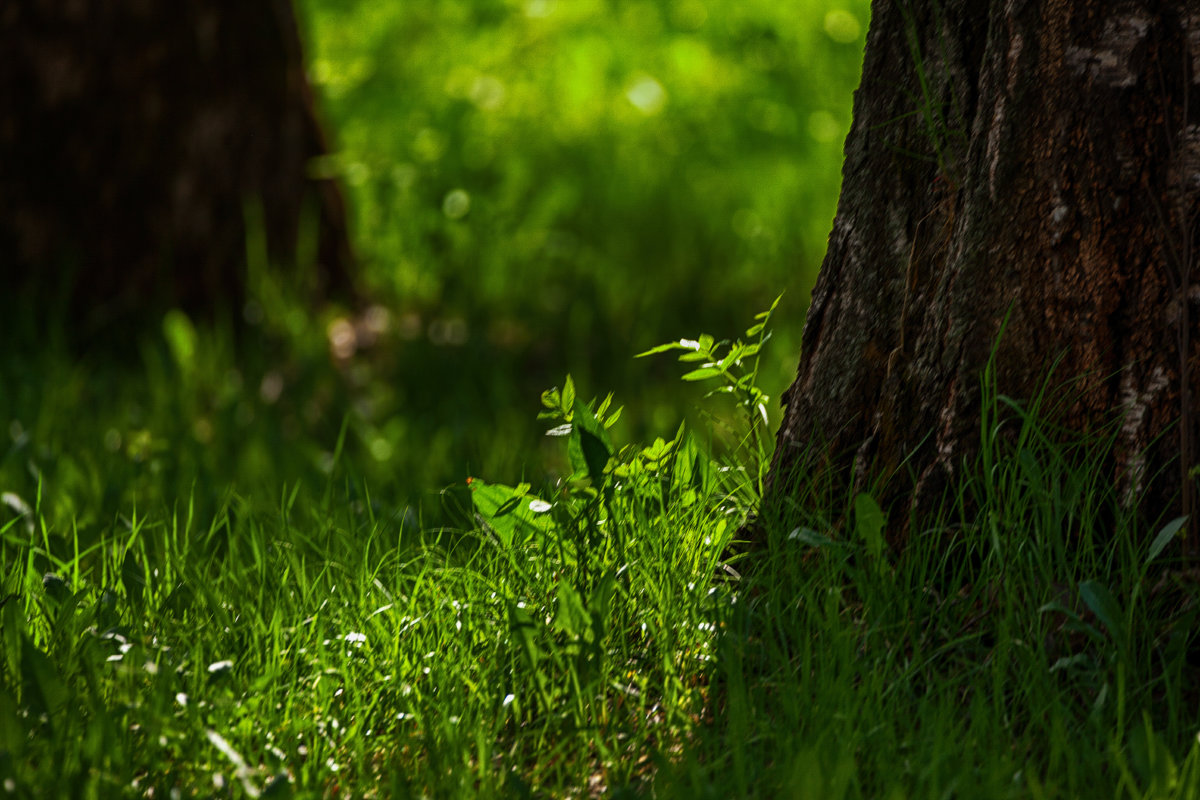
613 417
693 467
572 618
508 506
869 522
568 395
589 447
682 344
1106 608
507 512
601 601
657 450
683 469
1164 537
704 373
732 357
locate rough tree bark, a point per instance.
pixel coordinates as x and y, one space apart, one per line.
1035 159
134 136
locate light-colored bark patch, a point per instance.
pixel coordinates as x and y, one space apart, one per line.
1109 62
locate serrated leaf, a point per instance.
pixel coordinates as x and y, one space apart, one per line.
1164 537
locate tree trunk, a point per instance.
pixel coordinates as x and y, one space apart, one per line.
134 138
1027 163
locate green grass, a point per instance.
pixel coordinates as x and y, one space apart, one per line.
602 632
253 569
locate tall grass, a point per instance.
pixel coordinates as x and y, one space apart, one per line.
590 634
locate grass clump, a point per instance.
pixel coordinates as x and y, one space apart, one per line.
595 633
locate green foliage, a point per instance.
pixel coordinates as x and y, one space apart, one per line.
558 183
218 580
591 630
723 362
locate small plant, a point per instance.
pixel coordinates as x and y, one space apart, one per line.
735 365
607 530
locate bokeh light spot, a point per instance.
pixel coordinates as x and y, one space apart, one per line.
842 26
457 204
823 127
647 95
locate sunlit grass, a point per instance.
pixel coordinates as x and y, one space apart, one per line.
599 632
339 557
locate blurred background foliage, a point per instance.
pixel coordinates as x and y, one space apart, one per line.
550 185
536 187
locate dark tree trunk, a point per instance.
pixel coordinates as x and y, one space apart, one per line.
1034 160
133 138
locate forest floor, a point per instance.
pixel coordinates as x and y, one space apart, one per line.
336 554
602 632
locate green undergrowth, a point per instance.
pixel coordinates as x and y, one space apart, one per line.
602 632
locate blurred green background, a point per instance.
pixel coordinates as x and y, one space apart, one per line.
543 186
536 187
